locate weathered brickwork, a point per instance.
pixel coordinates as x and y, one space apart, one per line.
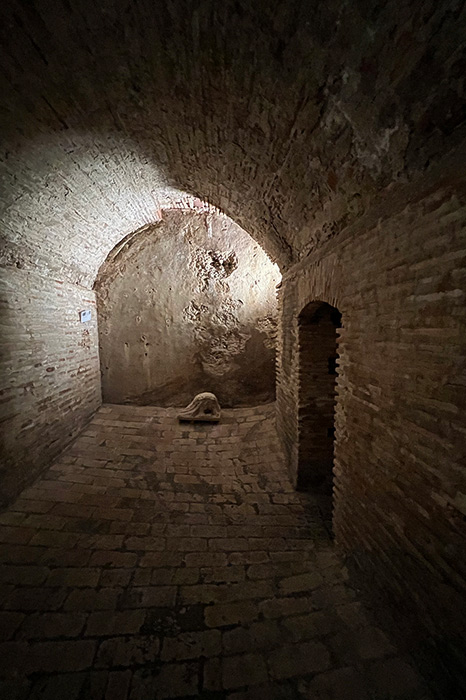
50 372
400 484
157 560
106 106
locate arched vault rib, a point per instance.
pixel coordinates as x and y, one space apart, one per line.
289 117
73 197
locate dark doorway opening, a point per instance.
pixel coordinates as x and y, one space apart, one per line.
318 365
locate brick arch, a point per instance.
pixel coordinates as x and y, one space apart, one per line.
318 325
108 106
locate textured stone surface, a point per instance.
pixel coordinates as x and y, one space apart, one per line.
169 561
184 307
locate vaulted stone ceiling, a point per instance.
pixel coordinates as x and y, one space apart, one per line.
288 116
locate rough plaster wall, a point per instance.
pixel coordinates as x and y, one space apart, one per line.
288 116
49 372
188 306
400 482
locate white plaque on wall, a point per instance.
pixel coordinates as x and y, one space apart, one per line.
85 315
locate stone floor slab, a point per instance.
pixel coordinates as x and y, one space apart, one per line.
160 560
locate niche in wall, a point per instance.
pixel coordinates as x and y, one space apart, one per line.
184 306
318 361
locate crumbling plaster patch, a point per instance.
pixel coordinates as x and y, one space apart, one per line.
188 305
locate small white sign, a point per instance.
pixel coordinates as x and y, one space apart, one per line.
85 315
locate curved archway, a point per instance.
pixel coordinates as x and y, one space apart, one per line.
315 126
185 306
318 325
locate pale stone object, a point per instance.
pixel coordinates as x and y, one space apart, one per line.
203 407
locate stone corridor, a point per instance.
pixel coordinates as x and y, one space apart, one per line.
157 560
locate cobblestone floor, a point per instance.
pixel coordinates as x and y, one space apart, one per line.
156 560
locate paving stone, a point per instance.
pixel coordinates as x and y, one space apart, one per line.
204 559
19 554
217 593
344 683
192 645
282 607
353 614
100 624
253 557
163 570
118 685
146 544
64 557
79 578
163 559
130 650
91 599
299 659
247 669
212 674
23 575
394 677
230 614
259 635
114 559
171 681
372 643
61 656
16 535
223 574
271 691
15 689
67 685
148 597
32 599
303 582
51 625
115 577
311 625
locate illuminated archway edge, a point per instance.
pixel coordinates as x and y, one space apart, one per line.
174 200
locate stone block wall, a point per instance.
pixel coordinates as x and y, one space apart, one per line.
399 279
49 372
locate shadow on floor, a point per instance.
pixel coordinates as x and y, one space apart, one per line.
158 560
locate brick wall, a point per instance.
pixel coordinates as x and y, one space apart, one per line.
49 372
399 280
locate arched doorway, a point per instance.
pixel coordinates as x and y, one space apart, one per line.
318 325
